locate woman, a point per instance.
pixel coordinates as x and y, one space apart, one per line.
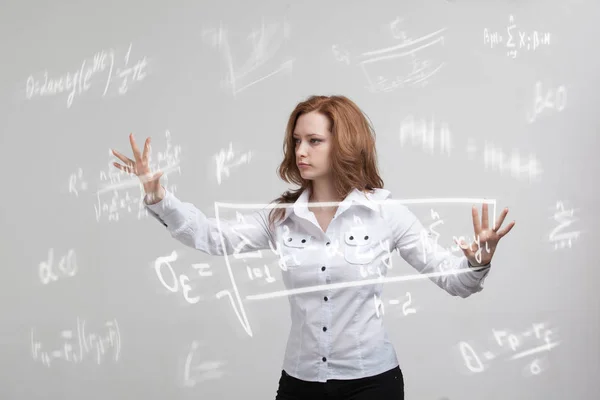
337 346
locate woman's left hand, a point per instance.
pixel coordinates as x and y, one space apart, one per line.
481 250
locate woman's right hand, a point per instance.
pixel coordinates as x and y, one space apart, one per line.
141 169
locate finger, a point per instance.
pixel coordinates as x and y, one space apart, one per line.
136 151
124 168
500 220
126 160
146 149
463 246
502 232
476 223
485 223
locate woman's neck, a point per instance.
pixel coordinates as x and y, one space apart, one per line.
322 192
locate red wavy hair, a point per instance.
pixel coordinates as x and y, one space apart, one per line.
353 154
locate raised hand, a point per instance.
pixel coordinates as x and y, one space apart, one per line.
481 250
140 167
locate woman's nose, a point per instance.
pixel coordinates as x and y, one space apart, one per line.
301 150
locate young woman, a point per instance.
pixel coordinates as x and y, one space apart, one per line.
340 222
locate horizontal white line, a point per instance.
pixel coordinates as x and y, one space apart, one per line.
403 45
535 350
332 286
129 183
337 203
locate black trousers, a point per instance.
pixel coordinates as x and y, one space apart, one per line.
388 385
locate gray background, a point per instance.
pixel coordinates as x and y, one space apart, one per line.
211 75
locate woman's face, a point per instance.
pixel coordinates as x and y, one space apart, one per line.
313 145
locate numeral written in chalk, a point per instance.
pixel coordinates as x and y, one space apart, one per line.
406 310
181 280
257 273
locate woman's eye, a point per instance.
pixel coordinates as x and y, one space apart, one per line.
313 141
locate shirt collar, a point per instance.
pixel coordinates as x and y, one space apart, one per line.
369 199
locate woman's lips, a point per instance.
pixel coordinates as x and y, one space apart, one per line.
303 165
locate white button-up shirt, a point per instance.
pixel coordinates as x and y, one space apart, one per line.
336 332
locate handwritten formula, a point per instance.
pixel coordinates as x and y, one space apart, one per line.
113 196
80 81
496 159
77 345
380 307
181 281
65 268
564 218
436 138
515 40
195 372
263 277
409 56
511 346
267 59
424 132
430 241
227 160
552 99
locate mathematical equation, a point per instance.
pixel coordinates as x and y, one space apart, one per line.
516 40
80 81
174 282
553 99
377 65
203 371
564 218
78 344
436 247
228 157
261 274
380 307
512 342
181 281
267 57
167 161
422 133
67 267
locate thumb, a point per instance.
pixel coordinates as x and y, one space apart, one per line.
157 175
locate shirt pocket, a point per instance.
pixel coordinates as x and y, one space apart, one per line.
360 246
296 248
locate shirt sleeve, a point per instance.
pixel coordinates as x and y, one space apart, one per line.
193 228
450 272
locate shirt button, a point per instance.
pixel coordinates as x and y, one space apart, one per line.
325 298
327 244
323 268
324 359
324 329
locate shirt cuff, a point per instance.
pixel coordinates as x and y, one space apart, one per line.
169 210
475 274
